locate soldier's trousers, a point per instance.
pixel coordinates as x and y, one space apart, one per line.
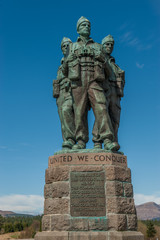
66 114
85 94
114 110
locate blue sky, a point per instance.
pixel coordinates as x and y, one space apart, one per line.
30 35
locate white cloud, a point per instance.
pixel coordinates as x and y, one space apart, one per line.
141 198
139 65
123 26
29 204
3 147
133 42
128 36
24 144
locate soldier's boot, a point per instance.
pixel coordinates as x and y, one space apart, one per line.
97 145
80 145
68 144
111 146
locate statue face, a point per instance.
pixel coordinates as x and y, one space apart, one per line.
84 29
65 48
108 47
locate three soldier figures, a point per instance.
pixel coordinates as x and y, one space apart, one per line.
88 78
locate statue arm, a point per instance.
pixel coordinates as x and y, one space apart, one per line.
120 78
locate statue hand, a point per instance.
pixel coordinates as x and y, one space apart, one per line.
100 57
71 57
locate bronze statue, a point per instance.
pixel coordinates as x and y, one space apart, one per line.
113 89
116 84
89 78
62 91
84 65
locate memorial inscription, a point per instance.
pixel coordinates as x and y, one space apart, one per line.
87 194
85 158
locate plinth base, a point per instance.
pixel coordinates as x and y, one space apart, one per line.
89 235
88 196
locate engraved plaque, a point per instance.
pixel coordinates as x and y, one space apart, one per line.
87 196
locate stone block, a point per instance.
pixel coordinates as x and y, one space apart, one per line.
46 223
126 235
114 188
99 224
55 174
118 173
86 168
79 224
56 190
88 236
56 206
128 189
60 222
117 222
63 235
132 222
48 190
120 205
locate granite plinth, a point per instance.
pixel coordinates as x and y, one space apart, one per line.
88 196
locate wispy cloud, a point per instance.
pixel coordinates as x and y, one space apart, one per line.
29 204
3 147
123 26
139 65
128 37
141 198
144 46
25 144
16 148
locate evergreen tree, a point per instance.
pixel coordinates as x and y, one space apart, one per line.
8 227
151 231
1 222
18 226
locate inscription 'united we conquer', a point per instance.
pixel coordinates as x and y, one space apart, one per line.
87 196
92 158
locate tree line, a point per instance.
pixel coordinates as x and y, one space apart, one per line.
27 224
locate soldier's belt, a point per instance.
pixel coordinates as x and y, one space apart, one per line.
86 60
87 68
87 64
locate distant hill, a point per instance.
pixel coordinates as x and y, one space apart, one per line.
4 213
148 211
13 214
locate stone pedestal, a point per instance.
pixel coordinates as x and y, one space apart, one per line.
88 196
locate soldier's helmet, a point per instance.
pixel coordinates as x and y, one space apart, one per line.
81 20
65 40
108 38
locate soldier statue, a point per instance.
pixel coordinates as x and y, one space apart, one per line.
113 89
116 84
85 68
62 92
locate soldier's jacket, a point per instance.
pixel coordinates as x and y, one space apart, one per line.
116 78
85 57
62 82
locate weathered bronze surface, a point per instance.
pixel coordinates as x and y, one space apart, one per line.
89 78
87 196
63 95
